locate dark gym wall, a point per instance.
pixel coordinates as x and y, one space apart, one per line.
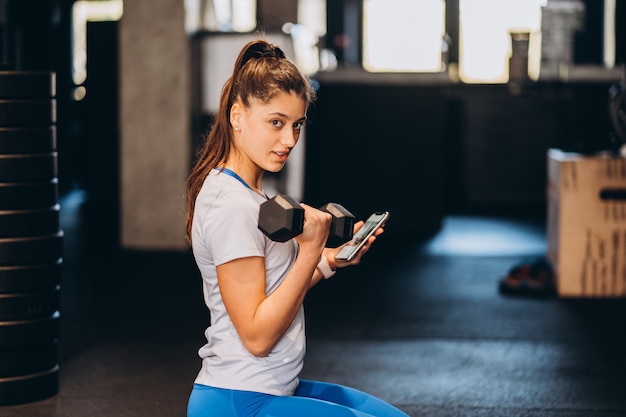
376 146
100 146
343 31
588 41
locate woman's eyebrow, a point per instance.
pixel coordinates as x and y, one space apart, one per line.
277 113
284 116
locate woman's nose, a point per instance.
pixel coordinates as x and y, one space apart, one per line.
290 137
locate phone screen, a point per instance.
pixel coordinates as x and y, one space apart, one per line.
361 236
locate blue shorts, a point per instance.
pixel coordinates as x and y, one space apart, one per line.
311 399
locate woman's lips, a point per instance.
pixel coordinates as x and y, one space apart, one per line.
282 156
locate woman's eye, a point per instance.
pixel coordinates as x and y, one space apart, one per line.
298 125
276 123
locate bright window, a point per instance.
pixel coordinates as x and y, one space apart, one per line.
407 36
220 15
403 35
485 40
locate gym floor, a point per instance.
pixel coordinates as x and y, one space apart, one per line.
421 325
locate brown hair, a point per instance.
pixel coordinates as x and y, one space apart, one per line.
261 70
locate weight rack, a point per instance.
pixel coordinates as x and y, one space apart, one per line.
30 237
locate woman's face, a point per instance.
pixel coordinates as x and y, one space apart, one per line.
265 133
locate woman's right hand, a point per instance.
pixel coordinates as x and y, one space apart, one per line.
316 228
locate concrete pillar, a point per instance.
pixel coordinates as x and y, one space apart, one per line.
154 124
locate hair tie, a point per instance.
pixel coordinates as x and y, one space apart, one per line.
256 52
275 52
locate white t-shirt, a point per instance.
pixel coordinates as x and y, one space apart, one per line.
225 228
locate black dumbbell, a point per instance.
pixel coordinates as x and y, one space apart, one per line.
282 218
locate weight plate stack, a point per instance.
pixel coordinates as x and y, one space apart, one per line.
31 240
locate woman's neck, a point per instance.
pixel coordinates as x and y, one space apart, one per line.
253 177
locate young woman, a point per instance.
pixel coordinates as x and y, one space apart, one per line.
253 287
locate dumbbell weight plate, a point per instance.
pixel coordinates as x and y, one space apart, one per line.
23 223
28 167
23 306
28 195
281 218
29 388
27 84
28 359
31 250
24 278
27 140
27 112
342 226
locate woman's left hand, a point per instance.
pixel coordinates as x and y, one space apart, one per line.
330 253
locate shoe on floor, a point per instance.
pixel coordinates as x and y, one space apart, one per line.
533 277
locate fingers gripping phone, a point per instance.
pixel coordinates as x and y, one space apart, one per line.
362 235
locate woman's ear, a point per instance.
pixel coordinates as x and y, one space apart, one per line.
235 115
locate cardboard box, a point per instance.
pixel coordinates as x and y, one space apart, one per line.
587 224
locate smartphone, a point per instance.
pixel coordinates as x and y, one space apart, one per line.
360 237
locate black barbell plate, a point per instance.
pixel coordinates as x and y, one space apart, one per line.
28 167
24 306
31 250
18 333
29 388
29 195
27 139
25 278
27 112
24 223
29 359
27 84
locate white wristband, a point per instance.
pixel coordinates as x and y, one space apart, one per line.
324 268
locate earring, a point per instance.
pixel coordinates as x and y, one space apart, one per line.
237 129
